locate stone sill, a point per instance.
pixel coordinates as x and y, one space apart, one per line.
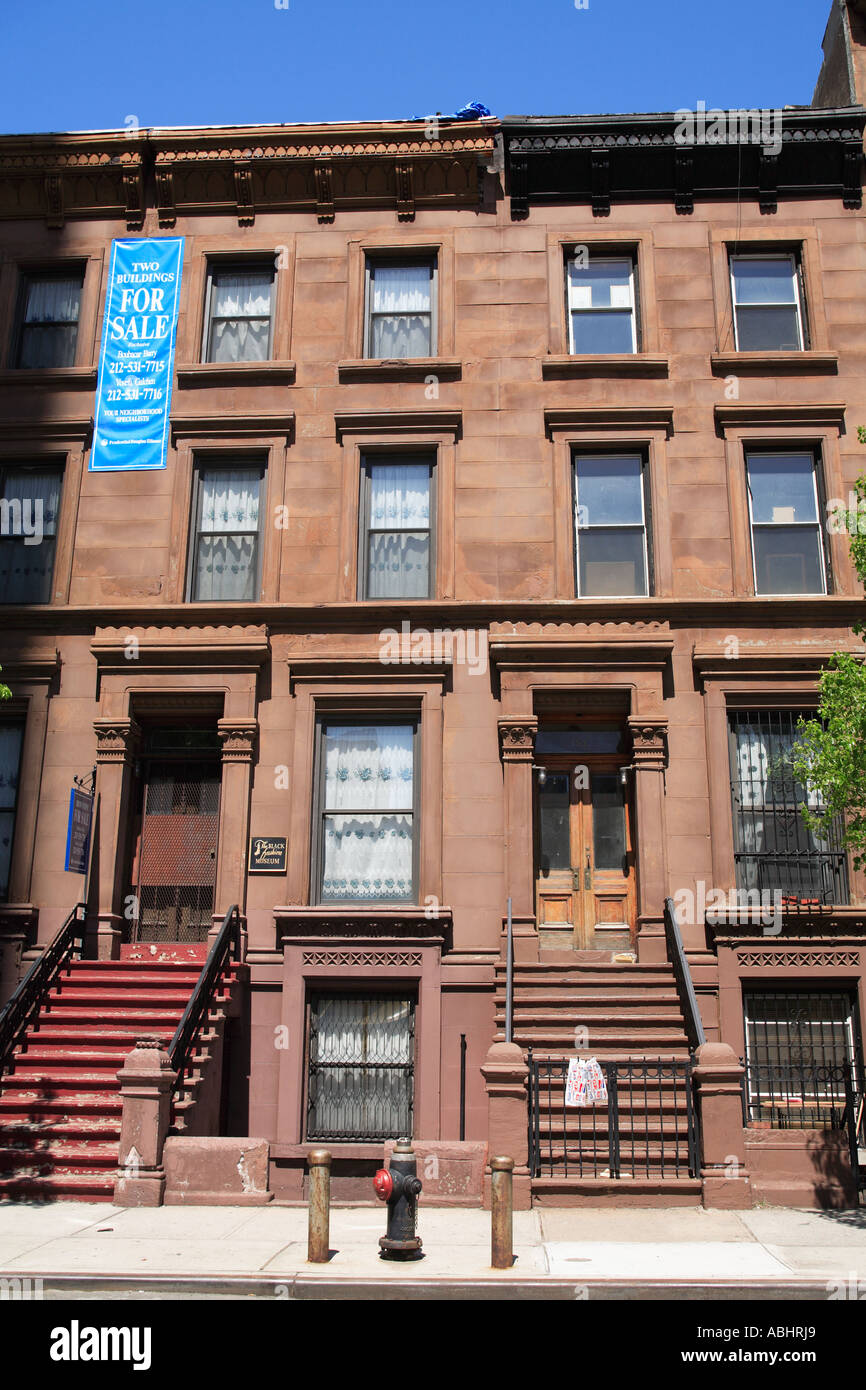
236 373
399 369
72 377
774 363
604 364
338 1150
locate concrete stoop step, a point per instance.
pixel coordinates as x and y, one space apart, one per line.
631 1013
60 1105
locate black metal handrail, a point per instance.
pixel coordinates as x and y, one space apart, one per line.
648 1125
683 976
226 946
20 1008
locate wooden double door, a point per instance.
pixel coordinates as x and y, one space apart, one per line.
585 885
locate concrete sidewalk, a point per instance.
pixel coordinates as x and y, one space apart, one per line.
84 1250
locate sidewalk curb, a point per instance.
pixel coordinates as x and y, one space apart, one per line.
304 1287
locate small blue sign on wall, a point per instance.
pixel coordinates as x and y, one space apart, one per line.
78 831
136 361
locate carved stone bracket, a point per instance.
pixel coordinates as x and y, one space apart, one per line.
133 193
166 210
117 740
324 192
600 167
54 216
405 191
519 180
684 169
768 193
246 210
649 742
852 189
238 739
517 738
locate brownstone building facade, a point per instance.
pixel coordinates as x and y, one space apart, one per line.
491 565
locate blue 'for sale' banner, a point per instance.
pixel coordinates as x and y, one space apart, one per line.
137 357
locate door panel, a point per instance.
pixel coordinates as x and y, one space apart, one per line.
175 863
585 861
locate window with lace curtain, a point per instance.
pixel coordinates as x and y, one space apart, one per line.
29 506
240 312
396 527
400 319
367 812
225 560
47 330
11 739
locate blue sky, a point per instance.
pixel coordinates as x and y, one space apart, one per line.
100 63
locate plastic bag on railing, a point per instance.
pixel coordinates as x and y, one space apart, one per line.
585 1083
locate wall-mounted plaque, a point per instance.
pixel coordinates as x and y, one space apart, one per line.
267 854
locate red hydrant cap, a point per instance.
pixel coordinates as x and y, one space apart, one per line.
383 1184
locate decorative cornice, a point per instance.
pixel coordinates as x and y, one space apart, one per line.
724 662
224 426
622 417
517 738
39 429
827 416
136 648
398 422
317 927
581 644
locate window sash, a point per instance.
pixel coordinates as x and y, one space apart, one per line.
796 302
35 562
372 315
203 537
815 526
214 320
11 744
369 533
633 527
403 814
621 310
60 331
360 1066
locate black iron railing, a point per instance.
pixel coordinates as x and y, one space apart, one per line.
225 949
25 1003
683 976
647 1127
795 1096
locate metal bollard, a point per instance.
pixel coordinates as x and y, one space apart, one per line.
502 1212
319 1238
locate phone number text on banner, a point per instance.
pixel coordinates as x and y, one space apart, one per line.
136 361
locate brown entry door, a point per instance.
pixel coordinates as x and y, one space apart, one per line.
175 861
585 876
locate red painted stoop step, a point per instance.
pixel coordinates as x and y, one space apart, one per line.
60 1101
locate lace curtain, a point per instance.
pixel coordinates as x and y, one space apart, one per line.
11 736
32 498
241 317
398 565
768 799
360 1077
227 556
368 853
400 311
50 325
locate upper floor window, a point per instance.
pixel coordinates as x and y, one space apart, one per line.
601 305
29 504
396 529
11 739
368 820
240 312
610 519
787 537
226 561
768 302
400 312
48 321
774 849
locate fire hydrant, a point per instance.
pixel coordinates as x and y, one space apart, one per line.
400 1186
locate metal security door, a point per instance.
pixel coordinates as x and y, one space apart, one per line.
175 870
